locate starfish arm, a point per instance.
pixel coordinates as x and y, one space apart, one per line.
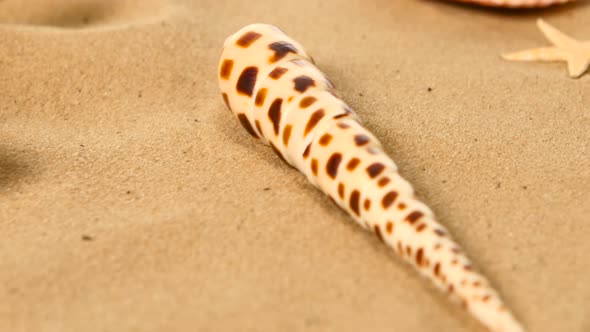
557 37
578 64
537 54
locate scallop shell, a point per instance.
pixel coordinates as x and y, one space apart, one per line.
516 3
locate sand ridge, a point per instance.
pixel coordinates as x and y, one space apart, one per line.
82 14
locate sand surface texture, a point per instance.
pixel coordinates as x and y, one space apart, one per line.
132 200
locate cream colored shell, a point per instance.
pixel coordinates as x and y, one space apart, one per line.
291 105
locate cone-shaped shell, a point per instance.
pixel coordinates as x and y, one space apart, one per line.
272 86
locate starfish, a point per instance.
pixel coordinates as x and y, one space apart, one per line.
575 52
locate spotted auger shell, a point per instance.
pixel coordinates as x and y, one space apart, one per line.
516 3
279 96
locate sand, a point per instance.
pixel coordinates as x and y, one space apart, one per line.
131 199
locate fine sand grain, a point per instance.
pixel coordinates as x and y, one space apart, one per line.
132 200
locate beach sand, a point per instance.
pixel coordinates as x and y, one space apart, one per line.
132 200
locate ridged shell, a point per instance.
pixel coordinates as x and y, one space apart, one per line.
516 3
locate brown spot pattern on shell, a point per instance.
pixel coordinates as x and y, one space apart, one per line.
248 38
226 68
295 110
247 80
